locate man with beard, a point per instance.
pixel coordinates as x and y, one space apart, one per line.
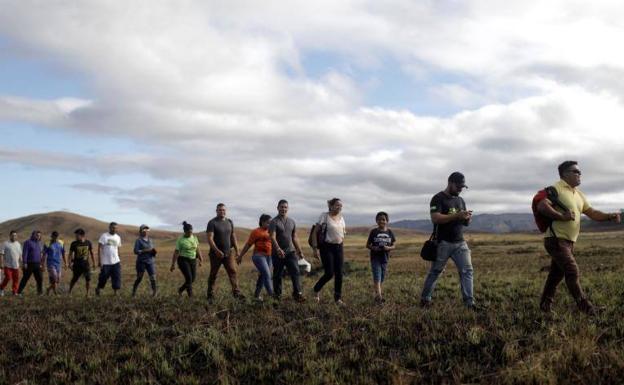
449 217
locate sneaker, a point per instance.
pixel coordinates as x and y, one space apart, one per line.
594 310
239 296
1 293
258 298
590 309
425 303
210 299
546 308
97 291
299 298
317 297
340 303
379 300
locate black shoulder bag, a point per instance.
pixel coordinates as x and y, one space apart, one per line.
429 251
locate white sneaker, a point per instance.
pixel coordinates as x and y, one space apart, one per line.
1 293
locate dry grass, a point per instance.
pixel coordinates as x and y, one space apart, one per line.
170 340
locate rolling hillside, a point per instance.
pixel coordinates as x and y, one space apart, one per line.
66 223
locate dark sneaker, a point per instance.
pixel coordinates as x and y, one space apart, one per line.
379 300
239 296
594 310
588 308
299 298
97 291
546 308
425 304
210 299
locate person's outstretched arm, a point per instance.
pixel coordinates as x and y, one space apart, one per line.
600 216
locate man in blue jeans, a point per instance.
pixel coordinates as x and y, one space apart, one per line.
449 217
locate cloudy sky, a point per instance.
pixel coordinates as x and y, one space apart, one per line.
154 111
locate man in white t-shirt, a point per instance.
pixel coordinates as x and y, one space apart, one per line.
11 260
108 259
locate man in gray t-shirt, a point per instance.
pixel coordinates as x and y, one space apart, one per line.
286 251
222 239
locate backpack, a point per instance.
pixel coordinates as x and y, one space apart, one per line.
542 221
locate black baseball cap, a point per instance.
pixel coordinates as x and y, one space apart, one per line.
458 178
79 232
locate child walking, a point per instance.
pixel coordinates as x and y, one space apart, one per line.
381 242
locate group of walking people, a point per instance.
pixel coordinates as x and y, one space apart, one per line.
277 249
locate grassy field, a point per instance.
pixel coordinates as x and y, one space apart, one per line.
168 339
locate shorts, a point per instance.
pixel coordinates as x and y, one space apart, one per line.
112 271
81 267
379 270
54 274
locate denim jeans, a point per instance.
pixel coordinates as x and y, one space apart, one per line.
379 270
264 264
143 265
460 254
290 263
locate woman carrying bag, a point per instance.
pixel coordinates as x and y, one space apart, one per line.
329 234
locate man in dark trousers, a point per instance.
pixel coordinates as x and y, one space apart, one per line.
559 240
449 217
286 251
222 240
31 257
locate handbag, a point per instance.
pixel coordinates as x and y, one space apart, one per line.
321 234
429 251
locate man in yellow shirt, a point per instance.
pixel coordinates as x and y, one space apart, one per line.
560 238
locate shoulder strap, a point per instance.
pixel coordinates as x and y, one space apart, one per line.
553 196
434 234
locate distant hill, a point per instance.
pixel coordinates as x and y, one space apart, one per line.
503 223
482 223
66 223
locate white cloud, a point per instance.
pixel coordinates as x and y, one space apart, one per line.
222 88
